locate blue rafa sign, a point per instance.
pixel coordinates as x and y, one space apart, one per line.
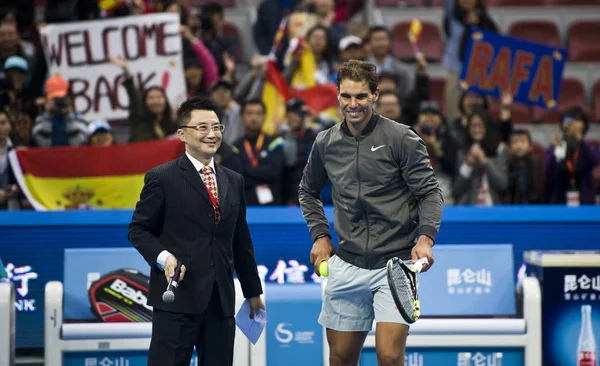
494 63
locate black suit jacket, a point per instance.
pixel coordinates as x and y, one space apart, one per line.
175 213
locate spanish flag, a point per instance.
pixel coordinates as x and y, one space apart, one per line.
89 177
320 99
304 77
275 95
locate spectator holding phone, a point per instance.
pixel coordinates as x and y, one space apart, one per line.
570 161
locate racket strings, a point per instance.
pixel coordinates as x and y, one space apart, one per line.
405 290
403 281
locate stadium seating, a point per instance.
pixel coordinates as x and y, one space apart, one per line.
582 41
225 3
596 100
7 323
541 31
520 113
430 42
572 93
436 91
500 3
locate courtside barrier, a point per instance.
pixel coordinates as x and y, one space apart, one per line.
7 324
105 338
468 312
468 333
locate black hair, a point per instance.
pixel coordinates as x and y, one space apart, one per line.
253 101
199 102
579 114
522 132
378 28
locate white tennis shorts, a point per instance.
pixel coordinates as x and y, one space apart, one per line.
355 297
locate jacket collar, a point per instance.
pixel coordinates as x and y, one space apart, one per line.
367 130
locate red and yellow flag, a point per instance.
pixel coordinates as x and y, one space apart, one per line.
275 95
89 177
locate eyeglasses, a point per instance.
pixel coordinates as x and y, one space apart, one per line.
204 128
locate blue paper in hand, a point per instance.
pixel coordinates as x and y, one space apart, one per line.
252 328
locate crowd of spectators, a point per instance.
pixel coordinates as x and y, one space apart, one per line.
479 157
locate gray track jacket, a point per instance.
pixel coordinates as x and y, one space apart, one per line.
385 193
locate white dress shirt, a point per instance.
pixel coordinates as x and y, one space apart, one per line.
162 257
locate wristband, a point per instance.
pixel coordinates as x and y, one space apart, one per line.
322 236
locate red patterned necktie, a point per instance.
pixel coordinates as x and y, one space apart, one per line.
211 187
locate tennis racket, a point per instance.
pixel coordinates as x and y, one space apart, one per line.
403 280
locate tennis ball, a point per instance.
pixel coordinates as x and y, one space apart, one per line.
323 268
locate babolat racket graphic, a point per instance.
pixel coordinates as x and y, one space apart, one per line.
403 280
120 296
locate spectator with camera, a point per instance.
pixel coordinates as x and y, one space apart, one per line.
526 173
441 147
299 132
570 161
222 47
59 125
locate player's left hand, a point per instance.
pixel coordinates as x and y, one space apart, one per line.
423 249
255 304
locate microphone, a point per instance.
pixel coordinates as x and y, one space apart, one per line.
169 295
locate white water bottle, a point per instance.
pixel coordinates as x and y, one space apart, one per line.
587 354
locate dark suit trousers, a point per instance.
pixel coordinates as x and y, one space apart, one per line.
174 336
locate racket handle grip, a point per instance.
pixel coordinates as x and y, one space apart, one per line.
419 264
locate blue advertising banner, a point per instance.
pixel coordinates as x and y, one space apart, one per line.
294 337
494 63
84 266
570 306
32 244
454 357
469 280
112 359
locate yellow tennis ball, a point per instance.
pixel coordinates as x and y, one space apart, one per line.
323 268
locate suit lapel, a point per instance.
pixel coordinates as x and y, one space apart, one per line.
222 184
193 177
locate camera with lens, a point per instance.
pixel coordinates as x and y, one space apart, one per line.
206 22
60 103
426 129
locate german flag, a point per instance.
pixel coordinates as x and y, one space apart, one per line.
89 177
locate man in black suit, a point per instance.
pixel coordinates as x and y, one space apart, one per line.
185 214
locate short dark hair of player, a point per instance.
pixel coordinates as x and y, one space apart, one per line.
361 71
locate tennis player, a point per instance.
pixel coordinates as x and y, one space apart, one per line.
387 203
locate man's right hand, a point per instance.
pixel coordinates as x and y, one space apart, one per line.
322 250
170 265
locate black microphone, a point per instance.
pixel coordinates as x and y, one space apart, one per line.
169 295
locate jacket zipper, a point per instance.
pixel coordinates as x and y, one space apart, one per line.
361 203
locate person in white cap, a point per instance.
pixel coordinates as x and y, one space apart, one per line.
100 133
351 48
